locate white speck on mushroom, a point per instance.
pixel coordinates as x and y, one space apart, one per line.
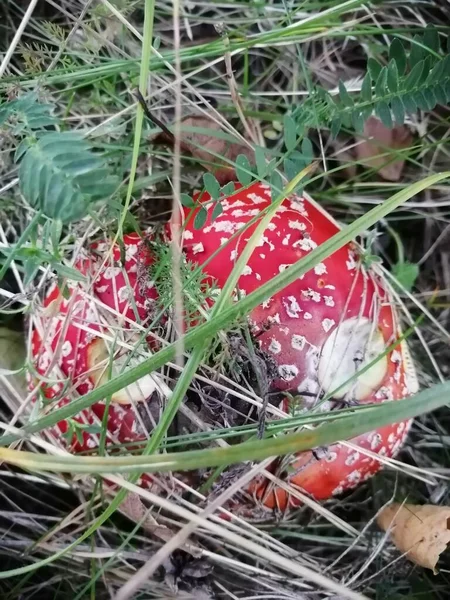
352 458
307 316
391 438
247 270
263 240
310 294
101 289
283 267
337 490
275 346
299 206
245 213
224 226
263 256
298 341
298 225
66 348
351 262
233 255
400 428
331 457
271 226
330 287
44 361
111 272
354 477
131 251
306 244
274 319
256 199
188 235
267 303
236 204
327 324
286 239
288 372
376 441
124 293
320 269
396 357
223 241
292 307
329 300
90 443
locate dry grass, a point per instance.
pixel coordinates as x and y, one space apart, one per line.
337 540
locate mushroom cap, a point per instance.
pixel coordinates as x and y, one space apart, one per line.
318 331
83 337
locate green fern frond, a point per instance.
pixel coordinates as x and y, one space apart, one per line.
406 84
61 176
25 114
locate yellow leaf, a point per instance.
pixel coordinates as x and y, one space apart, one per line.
422 532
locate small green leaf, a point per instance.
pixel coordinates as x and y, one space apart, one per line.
398 110
227 189
417 52
398 54
430 98
212 186
335 128
307 150
439 92
290 168
200 218
392 77
366 88
374 68
406 274
380 85
276 185
217 211
420 100
383 112
260 161
289 133
187 201
431 38
409 103
67 272
344 95
243 170
358 121
414 76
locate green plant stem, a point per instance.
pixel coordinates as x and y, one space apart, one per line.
343 428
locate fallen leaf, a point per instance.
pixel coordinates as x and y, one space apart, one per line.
377 139
422 532
206 146
137 512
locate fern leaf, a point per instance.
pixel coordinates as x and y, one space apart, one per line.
61 175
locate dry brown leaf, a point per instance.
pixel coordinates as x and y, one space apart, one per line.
206 147
377 140
423 532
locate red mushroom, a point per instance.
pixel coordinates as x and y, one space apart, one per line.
318 331
85 336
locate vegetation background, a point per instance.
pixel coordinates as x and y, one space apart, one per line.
261 69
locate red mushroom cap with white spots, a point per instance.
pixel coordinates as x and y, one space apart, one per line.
84 337
319 330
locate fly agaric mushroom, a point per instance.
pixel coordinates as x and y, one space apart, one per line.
318 331
84 337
